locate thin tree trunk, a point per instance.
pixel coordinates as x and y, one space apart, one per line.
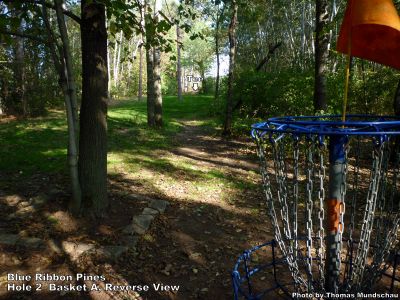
265 60
4 95
150 87
69 90
232 54
178 62
202 71
140 89
396 103
150 73
114 64
93 117
157 88
321 55
68 62
217 25
117 66
109 66
143 29
18 103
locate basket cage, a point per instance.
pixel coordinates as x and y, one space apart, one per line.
332 189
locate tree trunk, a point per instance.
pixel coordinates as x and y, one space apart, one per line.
69 90
202 71
217 24
118 63
265 60
321 54
140 89
157 88
93 118
142 25
68 63
154 97
150 87
178 62
17 103
232 54
4 95
396 103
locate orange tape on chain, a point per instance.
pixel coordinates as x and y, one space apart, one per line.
334 206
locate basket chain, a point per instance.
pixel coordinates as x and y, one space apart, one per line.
309 207
368 219
292 263
320 248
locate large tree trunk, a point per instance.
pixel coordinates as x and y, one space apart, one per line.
93 117
157 88
232 54
154 97
69 90
321 54
178 62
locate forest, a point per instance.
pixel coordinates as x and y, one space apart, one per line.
126 156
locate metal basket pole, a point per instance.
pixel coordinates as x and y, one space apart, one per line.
335 205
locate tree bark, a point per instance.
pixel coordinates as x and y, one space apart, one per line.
118 63
232 53
321 54
140 89
93 117
157 88
154 97
69 90
216 37
150 87
178 62
68 64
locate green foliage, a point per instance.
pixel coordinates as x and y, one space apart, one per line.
265 95
372 89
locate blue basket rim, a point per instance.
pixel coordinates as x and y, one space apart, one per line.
366 125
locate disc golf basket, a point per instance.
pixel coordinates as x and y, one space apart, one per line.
332 190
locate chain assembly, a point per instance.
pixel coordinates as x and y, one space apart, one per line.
295 180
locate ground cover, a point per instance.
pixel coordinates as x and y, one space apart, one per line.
215 208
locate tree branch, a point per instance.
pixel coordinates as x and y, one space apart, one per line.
271 51
24 35
50 5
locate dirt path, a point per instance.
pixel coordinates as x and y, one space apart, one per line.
216 211
197 242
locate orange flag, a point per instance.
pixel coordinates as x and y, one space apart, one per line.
371 30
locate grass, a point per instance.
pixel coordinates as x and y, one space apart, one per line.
39 145
136 151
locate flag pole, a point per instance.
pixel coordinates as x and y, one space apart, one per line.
346 87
